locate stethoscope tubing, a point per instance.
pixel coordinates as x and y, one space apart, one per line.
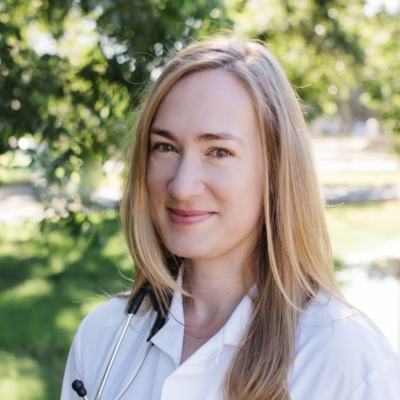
136 371
113 357
157 325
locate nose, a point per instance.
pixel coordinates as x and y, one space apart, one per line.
187 180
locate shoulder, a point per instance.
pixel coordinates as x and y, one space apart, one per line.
328 324
339 348
97 335
91 344
99 327
108 314
106 320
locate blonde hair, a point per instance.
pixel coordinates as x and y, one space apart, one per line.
293 256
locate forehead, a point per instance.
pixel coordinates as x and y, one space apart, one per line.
207 101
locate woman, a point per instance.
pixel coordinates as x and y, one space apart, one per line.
222 210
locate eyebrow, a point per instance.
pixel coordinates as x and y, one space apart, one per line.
202 137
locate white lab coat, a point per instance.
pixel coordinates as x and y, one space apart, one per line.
339 356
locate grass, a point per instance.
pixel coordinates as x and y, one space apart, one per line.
48 284
362 226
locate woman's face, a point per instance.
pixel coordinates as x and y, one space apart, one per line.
205 173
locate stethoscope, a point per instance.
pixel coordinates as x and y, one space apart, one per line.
159 322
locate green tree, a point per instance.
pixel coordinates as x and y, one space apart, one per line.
380 82
71 71
317 42
333 52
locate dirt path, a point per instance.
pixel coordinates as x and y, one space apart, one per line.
354 154
347 154
18 204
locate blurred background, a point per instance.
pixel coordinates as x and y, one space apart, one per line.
71 76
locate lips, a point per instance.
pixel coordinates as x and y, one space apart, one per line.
188 217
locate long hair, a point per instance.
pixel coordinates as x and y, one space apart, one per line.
293 255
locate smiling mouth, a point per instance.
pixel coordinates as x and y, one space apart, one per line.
188 217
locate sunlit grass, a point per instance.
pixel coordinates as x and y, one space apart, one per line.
357 227
20 378
48 284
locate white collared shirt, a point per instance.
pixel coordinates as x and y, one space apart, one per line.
338 357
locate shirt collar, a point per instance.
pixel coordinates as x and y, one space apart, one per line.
234 329
170 338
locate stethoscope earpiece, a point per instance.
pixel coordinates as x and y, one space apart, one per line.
79 388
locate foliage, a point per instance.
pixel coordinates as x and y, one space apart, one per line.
69 74
70 71
317 42
341 60
381 41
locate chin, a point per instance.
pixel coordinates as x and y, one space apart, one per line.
183 250
186 253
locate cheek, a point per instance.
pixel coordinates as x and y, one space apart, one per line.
156 181
249 194
240 193
248 179
154 185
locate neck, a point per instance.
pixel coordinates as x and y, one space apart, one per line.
216 289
